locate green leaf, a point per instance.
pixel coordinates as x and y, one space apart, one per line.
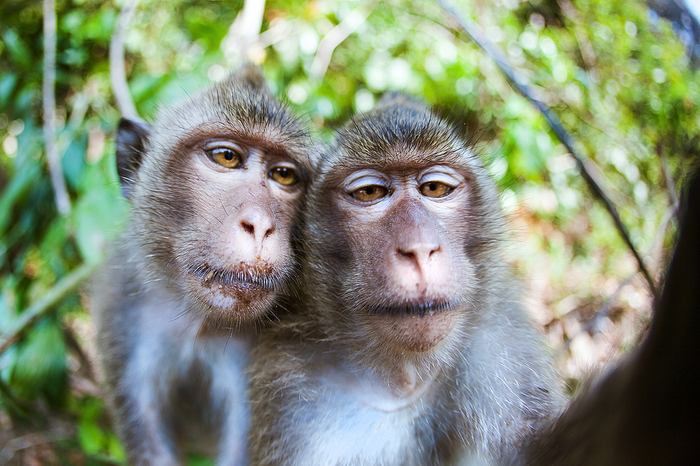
19 52
91 437
8 82
95 219
41 364
74 161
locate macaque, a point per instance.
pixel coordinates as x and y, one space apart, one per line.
409 344
646 411
216 185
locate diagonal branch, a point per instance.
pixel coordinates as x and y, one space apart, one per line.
44 304
477 35
334 38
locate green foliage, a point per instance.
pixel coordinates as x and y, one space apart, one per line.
618 78
94 438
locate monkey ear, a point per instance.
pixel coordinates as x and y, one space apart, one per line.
132 137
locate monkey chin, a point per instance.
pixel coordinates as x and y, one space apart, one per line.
231 297
416 331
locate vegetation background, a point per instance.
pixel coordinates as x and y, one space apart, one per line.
622 80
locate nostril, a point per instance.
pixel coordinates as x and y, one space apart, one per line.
418 252
269 232
248 227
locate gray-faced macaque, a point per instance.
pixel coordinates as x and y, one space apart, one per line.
647 410
216 185
409 345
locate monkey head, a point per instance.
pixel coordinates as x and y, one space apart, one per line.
216 184
401 214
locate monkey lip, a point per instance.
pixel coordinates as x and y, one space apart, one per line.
416 327
233 294
420 309
246 280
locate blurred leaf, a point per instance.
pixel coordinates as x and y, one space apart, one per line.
94 219
8 81
74 161
20 53
92 438
40 365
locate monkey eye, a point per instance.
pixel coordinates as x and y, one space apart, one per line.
369 193
435 189
225 156
285 176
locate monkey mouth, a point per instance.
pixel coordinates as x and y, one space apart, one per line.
414 327
245 280
420 309
238 295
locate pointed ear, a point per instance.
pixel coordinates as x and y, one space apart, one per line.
132 138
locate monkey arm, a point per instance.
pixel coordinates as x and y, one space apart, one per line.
127 376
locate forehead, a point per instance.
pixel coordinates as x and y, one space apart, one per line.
233 111
401 159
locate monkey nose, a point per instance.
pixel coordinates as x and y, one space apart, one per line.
418 253
257 225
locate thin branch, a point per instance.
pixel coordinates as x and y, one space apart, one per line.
42 306
477 35
280 31
334 38
117 69
31 440
601 312
59 184
670 184
244 31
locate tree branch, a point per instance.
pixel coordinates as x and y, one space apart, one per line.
244 31
334 38
477 35
44 304
117 69
55 168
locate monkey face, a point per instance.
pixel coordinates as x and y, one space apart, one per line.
409 275
235 252
216 186
227 210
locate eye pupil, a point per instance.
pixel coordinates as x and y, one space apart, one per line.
283 175
435 189
225 156
370 193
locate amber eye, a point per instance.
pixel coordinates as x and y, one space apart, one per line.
370 193
284 175
435 189
225 156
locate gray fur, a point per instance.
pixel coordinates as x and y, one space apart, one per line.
173 364
321 383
